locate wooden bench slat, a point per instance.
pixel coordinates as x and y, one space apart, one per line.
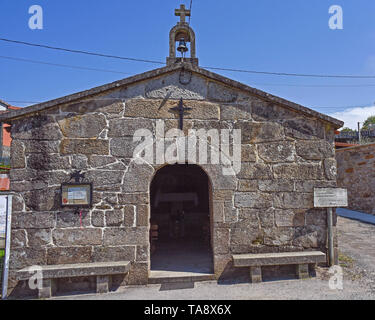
78 270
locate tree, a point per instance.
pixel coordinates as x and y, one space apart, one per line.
346 129
370 120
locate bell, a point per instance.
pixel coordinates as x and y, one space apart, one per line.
182 46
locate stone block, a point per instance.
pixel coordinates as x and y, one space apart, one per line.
330 169
104 177
17 159
289 218
71 219
82 126
77 237
293 200
138 274
266 218
218 211
248 153
96 161
67 255
128 127
221 181
105 104
25 257
244 236
314 150
42 200
133 198
282 151
137 178
108 254
33 220
265 111
259 132
276 185
255 171
248 218
221 93
40 161
123 147
252 200
129 216
309 185
84 146
41 127
247 185
40 146
143 216
97 218
102 284
39 237
173 86
79 162
221 240
21 186
18 239
278 258
255 274
143 253
235 112
160 109
114 218
131 236
300 171
304 128
302 271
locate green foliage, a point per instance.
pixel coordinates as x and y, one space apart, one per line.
369 120
346 129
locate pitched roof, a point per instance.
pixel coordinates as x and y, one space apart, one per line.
5 103
164 70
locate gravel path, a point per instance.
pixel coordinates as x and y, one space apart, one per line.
357 256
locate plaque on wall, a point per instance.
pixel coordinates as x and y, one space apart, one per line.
330 197
76 194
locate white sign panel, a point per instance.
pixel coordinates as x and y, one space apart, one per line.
3 210
330 197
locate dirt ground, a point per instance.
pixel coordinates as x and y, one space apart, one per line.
357 258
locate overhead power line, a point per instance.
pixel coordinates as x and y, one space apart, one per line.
293 74
128 73
63 65
80 51
191 5
211 68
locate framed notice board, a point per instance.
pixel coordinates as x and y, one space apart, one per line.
76 195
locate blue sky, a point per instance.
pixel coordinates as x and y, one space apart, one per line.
269 35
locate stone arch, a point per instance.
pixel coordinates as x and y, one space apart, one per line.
176 34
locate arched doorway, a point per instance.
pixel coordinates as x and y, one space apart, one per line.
180 232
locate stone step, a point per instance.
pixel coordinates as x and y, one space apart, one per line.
161 277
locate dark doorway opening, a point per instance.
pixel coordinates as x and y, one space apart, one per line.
180 232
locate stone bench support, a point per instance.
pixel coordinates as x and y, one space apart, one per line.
103 272
300 259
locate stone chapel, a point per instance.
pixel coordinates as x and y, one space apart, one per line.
180 216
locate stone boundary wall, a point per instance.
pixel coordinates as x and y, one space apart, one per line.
267 207
356 172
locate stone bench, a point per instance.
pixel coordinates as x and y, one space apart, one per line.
300 259
102 270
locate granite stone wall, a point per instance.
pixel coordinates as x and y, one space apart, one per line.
266 207
355 172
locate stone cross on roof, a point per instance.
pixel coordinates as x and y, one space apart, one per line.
182 13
